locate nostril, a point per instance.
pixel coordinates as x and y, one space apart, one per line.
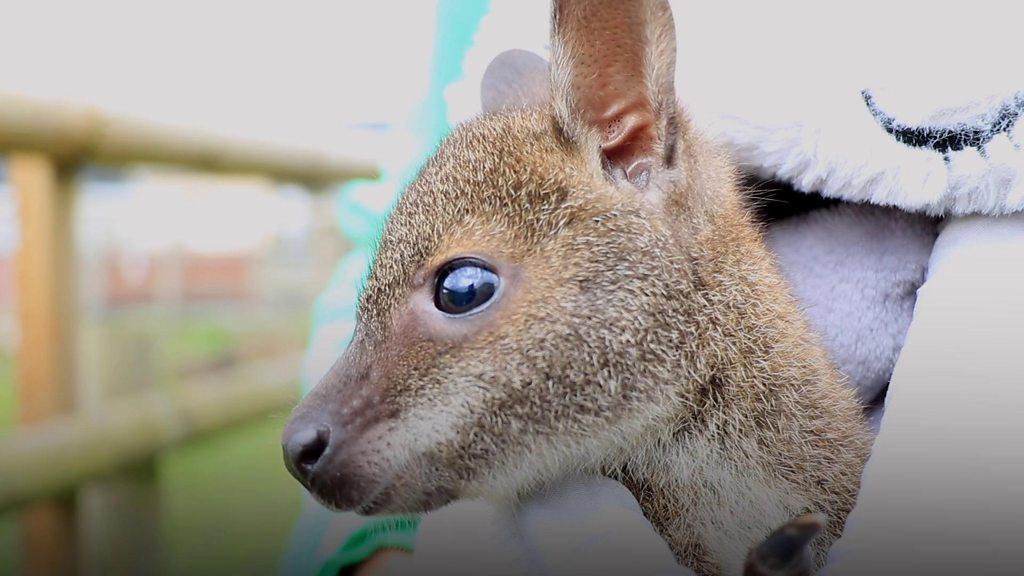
304 449
314 447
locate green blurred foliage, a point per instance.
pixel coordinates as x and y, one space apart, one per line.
199 341
7 405
162 346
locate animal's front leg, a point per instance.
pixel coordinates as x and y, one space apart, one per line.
710 508
786 551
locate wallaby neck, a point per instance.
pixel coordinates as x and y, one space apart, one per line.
754 386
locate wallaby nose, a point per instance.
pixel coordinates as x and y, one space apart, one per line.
303 450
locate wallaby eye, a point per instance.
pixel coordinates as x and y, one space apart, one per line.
464 285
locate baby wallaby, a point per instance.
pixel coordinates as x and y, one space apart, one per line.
570 285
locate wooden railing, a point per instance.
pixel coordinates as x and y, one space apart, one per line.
69 135
55 448
53 457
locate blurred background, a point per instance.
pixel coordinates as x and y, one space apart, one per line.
188 197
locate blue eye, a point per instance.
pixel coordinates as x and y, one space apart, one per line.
464 285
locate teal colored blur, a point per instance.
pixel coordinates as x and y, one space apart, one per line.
362 208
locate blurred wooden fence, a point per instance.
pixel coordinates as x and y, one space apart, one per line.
55 449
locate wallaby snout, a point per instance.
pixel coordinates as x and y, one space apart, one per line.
318 441
341 442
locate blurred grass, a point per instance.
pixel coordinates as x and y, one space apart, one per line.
227 504
9 544
200 341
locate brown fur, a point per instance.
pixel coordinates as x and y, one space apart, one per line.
644 336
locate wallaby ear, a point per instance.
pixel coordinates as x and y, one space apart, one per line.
515 79
612 70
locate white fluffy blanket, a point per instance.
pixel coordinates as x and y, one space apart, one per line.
855 270
943 492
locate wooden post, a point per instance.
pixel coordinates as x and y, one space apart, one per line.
45 281
119 514
48 537
109 526
46 358
119 523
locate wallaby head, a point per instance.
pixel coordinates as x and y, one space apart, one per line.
558 290
515 316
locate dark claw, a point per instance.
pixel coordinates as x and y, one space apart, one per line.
786 551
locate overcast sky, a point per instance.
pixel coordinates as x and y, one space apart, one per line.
299 72
335 74
306 71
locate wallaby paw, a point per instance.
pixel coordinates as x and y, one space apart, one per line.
786 551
